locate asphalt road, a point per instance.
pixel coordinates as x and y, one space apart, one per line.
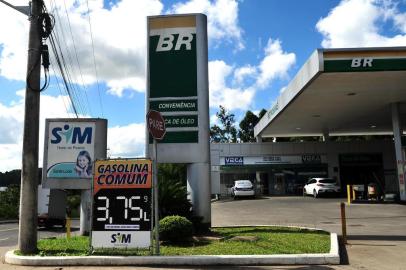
9 235
376 232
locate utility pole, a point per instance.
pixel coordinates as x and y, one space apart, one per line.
27 237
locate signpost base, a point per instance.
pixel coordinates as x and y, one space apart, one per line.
198 175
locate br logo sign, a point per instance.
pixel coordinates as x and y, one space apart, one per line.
156 124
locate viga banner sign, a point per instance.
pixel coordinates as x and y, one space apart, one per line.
122 203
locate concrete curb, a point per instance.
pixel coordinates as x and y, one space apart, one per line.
6 221
295 259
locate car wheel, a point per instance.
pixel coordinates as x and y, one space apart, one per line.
314 193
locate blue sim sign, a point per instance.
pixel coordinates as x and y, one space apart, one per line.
72 135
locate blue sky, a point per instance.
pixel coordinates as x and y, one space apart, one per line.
255 49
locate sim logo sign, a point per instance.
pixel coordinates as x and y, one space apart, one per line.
71 135
121 238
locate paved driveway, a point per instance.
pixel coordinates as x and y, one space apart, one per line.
376 232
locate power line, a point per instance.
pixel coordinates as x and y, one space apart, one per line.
67 63
55 51
59 88
94 58
52 39
76 55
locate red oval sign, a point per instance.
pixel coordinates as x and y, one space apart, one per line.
156 124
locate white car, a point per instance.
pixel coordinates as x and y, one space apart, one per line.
242 188
319 186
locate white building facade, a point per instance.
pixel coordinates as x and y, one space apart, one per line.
283 168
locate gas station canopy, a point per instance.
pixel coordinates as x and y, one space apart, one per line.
341 92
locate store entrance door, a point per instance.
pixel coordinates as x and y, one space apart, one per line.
278 184
362 169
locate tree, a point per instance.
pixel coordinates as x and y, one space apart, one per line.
10 178
13 177
261 113
173 171
226 133
247 124
10 202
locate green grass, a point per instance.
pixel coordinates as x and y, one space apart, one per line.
271 240
75 246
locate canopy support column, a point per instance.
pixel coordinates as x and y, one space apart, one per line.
400 155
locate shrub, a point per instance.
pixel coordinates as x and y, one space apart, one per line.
173 198
10 202
173 195
175 229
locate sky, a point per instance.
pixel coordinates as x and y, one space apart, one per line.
255 48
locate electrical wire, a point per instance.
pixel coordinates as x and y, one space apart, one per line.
67 64
58 55
61 69
59 88
94 58
64 62
76 55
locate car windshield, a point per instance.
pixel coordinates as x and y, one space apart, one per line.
243 183
327 181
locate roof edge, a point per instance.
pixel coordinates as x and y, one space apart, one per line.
312 67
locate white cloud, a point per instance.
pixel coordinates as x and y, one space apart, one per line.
119 38
222 16
12 122
117 87
275 64
13 43
127 141
221 94
240 74
11 118
10 156
123 141
214 120
357 23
